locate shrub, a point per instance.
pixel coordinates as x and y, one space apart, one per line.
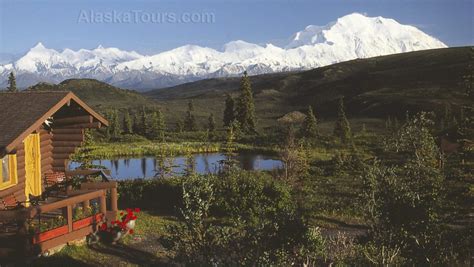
239 218
161 195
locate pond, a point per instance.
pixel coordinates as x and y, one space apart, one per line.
147 167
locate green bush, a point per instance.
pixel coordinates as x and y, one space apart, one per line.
160 195
240 218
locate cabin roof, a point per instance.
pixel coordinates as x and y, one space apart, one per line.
24 112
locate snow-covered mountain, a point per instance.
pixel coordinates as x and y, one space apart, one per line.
352 36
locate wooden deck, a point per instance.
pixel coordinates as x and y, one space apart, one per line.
17 242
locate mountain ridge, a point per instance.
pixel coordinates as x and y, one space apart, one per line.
375 87
349 37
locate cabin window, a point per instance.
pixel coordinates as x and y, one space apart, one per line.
8 173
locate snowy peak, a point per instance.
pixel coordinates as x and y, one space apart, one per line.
42 59
358 29
311 35
349 37
38 47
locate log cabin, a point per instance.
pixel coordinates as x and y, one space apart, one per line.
39 131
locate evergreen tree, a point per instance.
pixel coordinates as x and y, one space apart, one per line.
156 126
115 127
211 126
179 126
143 126
309 128
246 107
161 125
12 83
107 132
136 123
127 123
190 120
342 129
153 123
229 111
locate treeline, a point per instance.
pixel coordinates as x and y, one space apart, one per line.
149 122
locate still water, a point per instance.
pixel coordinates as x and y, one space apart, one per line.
148 167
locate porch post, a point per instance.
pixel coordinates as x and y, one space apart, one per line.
103 203
69 218
113 199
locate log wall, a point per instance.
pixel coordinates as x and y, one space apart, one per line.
46 150
56 145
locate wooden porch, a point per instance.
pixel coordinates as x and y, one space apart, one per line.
23 232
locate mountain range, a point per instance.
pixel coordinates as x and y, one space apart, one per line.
350 37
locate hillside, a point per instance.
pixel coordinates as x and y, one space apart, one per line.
375 87
96 93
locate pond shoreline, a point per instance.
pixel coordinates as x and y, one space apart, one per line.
101 151
146 167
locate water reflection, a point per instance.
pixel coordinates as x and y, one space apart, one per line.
147 167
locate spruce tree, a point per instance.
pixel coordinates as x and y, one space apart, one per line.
156 126
229 111
136 123
211 126
153 130
190 120
342 129
179 126
108 130
127 123
143 126
246 107
115 127
309 128
12 83
161 125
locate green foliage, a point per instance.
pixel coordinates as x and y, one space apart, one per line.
179 126
12 83
160 195
137 128
404 202
127 123
229 111
415 140
245 109
115 128
88 137
99 95
190 121
295 162
342 129
211 126
309 129
142 147
260 222
195 241
403 207
143 127
157 127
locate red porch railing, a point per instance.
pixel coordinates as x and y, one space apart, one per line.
72 230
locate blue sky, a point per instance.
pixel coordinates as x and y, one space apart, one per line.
67 24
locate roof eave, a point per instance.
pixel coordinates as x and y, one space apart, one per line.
70 96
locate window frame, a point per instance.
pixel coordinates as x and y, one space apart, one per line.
12 172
